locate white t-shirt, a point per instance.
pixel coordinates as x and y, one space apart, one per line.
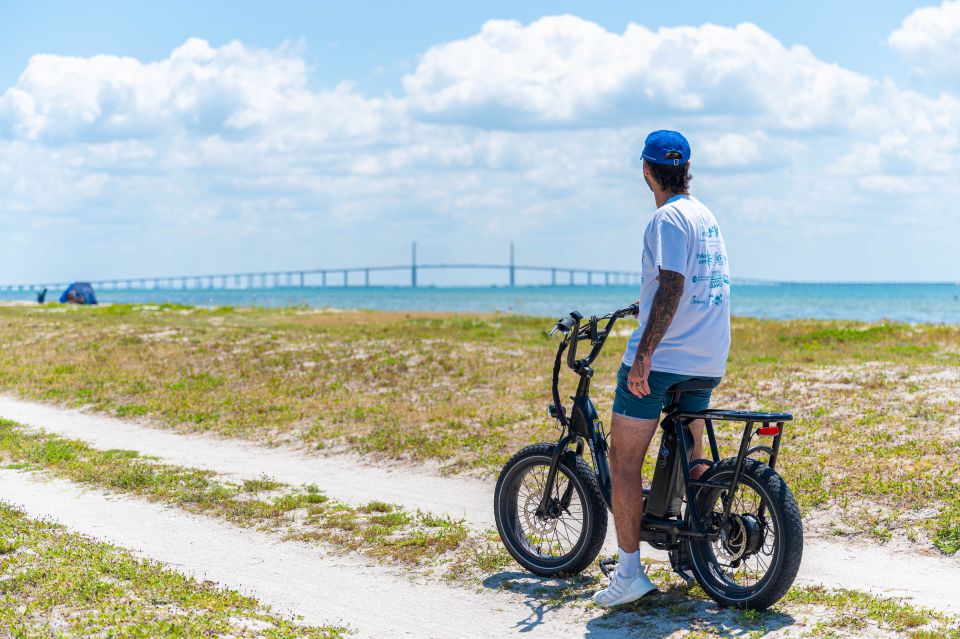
683 236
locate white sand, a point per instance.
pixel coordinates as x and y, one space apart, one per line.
321 587
924 578
345 477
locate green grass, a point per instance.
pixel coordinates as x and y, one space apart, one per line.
54 583
854 609
832 335
685 610
873 401
948 539
377 529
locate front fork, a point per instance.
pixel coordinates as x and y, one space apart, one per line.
547 508
598 449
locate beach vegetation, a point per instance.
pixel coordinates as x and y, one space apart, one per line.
56 583
81 575
377 529
876 405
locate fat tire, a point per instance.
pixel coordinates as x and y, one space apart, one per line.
783 507
594 509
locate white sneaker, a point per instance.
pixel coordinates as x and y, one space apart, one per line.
624 589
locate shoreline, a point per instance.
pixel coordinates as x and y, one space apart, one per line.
913 303
55 306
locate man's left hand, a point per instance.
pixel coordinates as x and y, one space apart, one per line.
639 373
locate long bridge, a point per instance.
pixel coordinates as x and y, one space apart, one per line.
344 277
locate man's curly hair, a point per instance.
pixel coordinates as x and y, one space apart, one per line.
671 178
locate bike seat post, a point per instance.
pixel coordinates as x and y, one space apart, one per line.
675 398
673 403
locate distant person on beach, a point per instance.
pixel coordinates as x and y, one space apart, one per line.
42 296
684 333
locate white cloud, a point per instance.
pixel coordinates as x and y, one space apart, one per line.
740 152
566 71
198 90
909 134
513 133
930 37
32 181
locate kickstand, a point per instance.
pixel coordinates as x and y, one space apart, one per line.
607 567
680 563
687 578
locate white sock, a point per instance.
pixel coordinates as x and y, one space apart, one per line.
629 563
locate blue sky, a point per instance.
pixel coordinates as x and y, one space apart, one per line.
375 42
140 138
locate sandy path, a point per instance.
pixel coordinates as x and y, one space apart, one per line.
289 576
345 477
925 579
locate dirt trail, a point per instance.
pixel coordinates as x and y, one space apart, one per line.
925 579
290 576
346 477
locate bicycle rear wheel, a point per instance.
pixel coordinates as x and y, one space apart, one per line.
567 538
757 557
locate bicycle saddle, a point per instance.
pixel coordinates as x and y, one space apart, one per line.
697 383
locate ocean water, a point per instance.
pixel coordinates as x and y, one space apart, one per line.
927 303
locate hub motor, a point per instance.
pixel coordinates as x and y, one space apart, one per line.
741 537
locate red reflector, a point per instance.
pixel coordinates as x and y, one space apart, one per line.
768 430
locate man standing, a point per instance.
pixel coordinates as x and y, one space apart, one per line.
684 333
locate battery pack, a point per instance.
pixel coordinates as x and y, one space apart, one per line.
666 491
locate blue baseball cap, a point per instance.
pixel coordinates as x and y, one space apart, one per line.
666 147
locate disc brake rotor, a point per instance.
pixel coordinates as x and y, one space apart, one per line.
535 524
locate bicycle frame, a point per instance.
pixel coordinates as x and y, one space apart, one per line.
584 424
584 428
689 525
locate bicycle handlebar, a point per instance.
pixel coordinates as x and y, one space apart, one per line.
574 332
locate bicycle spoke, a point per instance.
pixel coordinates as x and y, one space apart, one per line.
548 536
736 563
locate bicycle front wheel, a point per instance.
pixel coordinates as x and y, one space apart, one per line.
567 537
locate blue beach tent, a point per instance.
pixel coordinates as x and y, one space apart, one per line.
79 293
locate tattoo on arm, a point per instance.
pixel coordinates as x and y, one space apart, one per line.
665 303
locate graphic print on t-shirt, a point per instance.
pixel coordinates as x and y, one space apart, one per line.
716 257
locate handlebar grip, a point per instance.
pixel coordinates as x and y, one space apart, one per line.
564 325
633 309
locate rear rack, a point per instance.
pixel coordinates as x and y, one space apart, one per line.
755 423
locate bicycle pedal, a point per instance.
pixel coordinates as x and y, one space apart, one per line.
607 566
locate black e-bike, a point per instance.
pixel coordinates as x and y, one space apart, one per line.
736 529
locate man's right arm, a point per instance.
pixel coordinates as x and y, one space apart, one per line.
665 303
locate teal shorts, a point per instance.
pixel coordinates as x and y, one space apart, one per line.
649 406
